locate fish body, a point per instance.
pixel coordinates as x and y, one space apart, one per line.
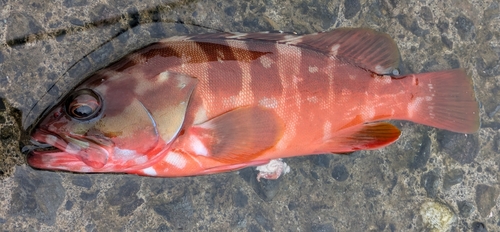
210 103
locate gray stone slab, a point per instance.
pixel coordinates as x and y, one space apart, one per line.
48 47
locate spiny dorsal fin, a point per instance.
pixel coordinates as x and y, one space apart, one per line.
240 135
363 47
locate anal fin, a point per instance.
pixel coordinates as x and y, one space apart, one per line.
368 136
240 135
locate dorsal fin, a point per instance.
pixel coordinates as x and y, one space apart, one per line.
366 48
363 47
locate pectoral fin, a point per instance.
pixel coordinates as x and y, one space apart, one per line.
240 135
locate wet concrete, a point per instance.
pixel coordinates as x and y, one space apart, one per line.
429 180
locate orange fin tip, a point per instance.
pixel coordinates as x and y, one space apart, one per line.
368 136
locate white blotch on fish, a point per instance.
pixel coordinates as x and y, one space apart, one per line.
149 171
334 50
414 106
198 147
176 159
266 61
269 102
327 129
368 113
384 79
124 153
312 99
141 160
164 76
313 69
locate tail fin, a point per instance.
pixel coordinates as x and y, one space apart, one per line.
447 101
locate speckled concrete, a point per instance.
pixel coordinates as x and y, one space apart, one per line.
430 180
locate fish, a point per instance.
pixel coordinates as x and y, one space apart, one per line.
218 102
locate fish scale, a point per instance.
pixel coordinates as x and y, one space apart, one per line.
210 103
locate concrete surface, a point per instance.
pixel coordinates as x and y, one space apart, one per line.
430 180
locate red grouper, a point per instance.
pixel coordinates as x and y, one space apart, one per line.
210 103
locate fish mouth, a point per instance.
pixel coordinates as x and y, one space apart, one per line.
48 151
71 153
45 142
39 146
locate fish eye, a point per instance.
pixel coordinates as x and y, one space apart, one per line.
83 105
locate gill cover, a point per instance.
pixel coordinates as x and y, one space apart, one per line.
141 112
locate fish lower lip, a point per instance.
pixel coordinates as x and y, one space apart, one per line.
46 149
40 148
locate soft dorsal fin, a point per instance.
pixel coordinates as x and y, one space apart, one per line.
368 136
366 48
363 47
239 135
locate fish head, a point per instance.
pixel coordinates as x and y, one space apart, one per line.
109 123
